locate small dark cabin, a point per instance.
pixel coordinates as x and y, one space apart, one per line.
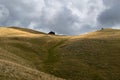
52 33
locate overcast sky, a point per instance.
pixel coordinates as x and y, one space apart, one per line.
71 17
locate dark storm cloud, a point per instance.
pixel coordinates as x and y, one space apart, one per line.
62 22
111 16
64 17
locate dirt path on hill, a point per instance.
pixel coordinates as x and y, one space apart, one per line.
53 57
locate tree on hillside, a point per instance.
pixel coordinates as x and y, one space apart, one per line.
102 28
52 33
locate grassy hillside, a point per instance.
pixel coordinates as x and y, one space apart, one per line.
92 56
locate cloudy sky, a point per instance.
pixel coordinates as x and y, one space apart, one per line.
71 17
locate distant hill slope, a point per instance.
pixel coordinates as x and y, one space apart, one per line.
27 30
25 54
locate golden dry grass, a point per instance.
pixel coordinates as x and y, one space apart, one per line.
14 64
14 71
10 32
106 33
92 56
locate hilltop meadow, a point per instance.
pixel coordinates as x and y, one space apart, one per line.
26 54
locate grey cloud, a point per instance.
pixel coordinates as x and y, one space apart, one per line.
111 2
64 17
111 16
4 13
62 22
20 13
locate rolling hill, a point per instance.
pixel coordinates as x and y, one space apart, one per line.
26 54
